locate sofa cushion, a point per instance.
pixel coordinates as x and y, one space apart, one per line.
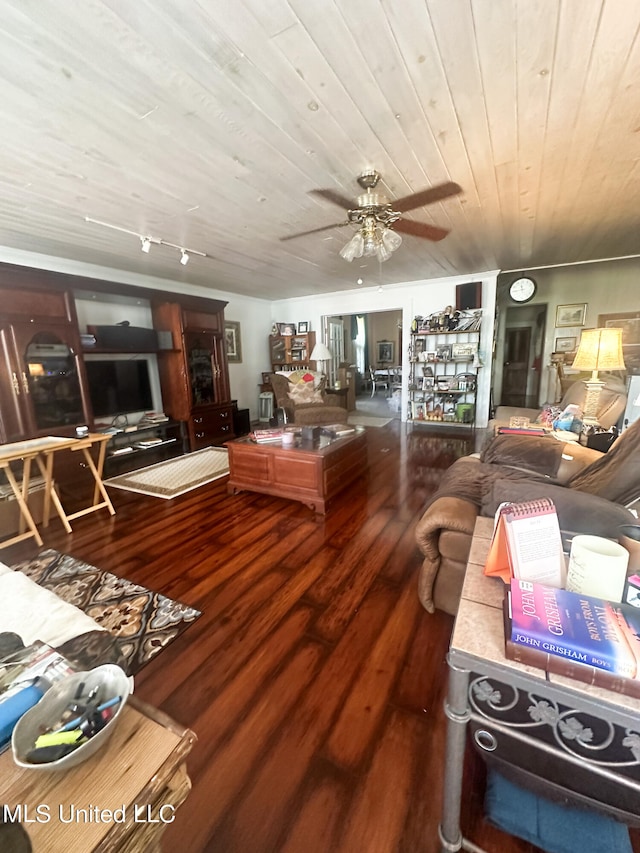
577 512
616 474
541 455
304 392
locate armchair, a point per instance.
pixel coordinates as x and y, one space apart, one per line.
612 403
300 394
590 490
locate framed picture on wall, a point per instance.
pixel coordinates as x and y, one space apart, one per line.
571 315
385 352
566 344
629 322
303 328
233 341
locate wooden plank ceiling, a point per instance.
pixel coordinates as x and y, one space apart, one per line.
205 123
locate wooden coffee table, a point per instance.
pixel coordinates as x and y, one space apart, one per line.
310 473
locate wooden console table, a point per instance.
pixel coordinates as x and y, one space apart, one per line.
43 450
130 789
555 734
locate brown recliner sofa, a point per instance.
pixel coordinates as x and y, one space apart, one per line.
590 491
611 403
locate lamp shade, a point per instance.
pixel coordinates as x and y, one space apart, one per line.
321 352
600 349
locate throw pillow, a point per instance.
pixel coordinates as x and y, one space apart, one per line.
295 376
304 393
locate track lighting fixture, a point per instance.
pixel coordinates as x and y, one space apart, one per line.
146 241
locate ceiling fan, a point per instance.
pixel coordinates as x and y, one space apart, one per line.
375 215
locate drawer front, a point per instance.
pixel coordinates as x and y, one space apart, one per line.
252 467
296 472
210 427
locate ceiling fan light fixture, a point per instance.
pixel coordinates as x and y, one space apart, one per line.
391 239
382 253
184 257
354 248
145 245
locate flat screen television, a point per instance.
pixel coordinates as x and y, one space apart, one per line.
118 387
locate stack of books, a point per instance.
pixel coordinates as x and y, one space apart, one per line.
266 436
153 418
590 639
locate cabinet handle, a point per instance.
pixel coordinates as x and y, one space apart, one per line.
16 384
199 435
224 428
224 414
25 383
197 420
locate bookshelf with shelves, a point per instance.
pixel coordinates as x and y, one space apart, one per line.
290 352
443 377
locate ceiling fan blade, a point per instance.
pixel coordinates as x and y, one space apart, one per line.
420 229
437 193
335 198
315 230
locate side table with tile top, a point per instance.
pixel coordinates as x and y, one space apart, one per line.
553 734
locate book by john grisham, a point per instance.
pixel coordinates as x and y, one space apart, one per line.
579 627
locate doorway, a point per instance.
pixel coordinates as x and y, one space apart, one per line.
359 335
522 355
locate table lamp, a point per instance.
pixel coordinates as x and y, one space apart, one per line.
600 349
322 354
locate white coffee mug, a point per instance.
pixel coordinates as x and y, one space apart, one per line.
597 567
288 439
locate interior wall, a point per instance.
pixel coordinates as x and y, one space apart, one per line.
256 316
409 299
606 287
252 313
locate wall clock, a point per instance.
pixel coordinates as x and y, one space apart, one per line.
522 289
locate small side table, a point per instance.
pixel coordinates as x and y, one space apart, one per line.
569 738
139 777
341 393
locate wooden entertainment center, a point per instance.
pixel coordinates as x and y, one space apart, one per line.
44 388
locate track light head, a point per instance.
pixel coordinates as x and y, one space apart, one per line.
184 258
145 244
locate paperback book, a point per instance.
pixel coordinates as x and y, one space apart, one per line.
266 436
575 628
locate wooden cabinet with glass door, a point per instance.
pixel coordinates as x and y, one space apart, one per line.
194 374
42 383
290 352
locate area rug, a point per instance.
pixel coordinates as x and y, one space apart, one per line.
175 476
138 622
367 420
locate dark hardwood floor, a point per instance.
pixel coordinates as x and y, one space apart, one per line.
314 679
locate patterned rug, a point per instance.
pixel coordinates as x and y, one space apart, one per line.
139 623
175 476
367 420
